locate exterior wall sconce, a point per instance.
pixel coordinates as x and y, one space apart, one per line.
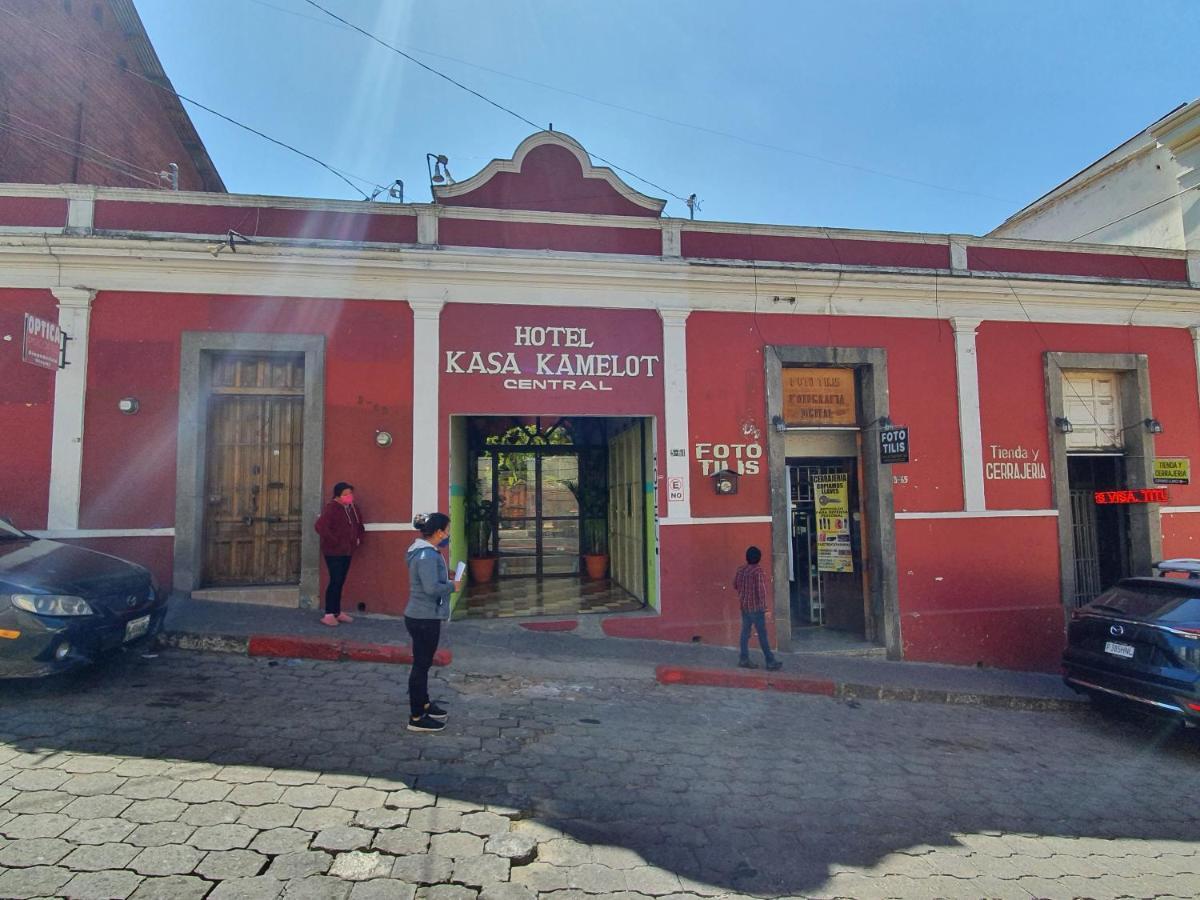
128 405
778 424
383 438
1153 426
1063 424
725 482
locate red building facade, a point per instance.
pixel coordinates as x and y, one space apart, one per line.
407 348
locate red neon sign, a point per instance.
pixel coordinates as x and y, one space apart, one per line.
1138 495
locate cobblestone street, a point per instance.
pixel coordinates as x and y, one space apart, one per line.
195 775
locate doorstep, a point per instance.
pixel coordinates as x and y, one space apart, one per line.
286 596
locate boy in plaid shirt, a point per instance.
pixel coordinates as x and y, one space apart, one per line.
750 581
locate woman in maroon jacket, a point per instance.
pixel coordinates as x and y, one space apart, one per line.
341 530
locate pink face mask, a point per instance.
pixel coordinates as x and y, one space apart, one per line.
346 499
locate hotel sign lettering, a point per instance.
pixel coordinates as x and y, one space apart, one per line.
819 397
545 358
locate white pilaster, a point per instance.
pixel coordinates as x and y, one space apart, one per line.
969 428
676 408
70 391
672 241
958 255
81 208
426 377
427 226
1193 267
1195 330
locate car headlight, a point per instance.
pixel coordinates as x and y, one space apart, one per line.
51 604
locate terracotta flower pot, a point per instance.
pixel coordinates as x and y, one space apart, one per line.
482 568
596 564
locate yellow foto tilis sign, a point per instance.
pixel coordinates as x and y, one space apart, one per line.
819 397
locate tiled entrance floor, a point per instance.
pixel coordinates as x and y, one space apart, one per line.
561 595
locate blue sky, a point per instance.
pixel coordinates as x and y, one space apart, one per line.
986 104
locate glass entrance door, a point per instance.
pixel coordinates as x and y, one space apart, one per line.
538 513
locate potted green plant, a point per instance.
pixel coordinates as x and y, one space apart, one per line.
591 493
595 544
481 558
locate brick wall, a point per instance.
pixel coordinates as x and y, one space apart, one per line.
53 95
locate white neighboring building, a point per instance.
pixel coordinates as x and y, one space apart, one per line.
1145 193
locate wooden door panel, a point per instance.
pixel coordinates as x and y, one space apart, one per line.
253 471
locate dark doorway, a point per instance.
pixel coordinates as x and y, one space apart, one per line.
1100 532
826 584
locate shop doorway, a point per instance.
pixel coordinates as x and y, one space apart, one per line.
825 558
1100 533
556 514
253 470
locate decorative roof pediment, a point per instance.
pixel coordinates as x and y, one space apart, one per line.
549 172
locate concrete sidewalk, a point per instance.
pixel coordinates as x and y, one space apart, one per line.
503 647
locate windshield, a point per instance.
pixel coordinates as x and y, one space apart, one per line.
9 532
1148 601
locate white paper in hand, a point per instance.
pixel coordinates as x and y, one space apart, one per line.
460 571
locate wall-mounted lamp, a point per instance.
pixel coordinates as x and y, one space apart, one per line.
128 405
1153 426
383 438
778 424
1063 424
725 482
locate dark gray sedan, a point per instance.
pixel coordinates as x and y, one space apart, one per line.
63 606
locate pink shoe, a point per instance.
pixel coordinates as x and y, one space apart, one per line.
330 620
342 617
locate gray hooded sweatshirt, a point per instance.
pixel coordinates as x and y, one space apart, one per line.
429 584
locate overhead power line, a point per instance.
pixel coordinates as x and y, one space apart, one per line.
1134 213
482 97
339 22
75 154
220 115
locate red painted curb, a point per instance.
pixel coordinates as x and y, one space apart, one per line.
741 678
567 625
287 647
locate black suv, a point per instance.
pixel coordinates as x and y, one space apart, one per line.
1139 641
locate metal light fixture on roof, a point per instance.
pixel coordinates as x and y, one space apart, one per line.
1063 424
439 168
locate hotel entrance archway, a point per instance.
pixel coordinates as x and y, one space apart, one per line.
557 512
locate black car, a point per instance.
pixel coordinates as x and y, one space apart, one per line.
1139 642
63 606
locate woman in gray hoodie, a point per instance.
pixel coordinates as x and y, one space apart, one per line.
429 590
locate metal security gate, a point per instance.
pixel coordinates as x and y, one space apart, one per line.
1087 551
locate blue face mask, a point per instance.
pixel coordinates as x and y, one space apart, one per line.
444 542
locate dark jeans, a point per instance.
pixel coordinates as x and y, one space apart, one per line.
339 568
758 621
425 634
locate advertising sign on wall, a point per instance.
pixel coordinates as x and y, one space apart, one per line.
1172 470
819 397
42 344
831 494
893 444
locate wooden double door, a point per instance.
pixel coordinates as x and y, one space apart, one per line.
254 455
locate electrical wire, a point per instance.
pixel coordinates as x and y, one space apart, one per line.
58 37
75 154
659 118
70 140
482 97
1135 213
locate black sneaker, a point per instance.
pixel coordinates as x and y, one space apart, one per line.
426 725
747 664
774 665
433 711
